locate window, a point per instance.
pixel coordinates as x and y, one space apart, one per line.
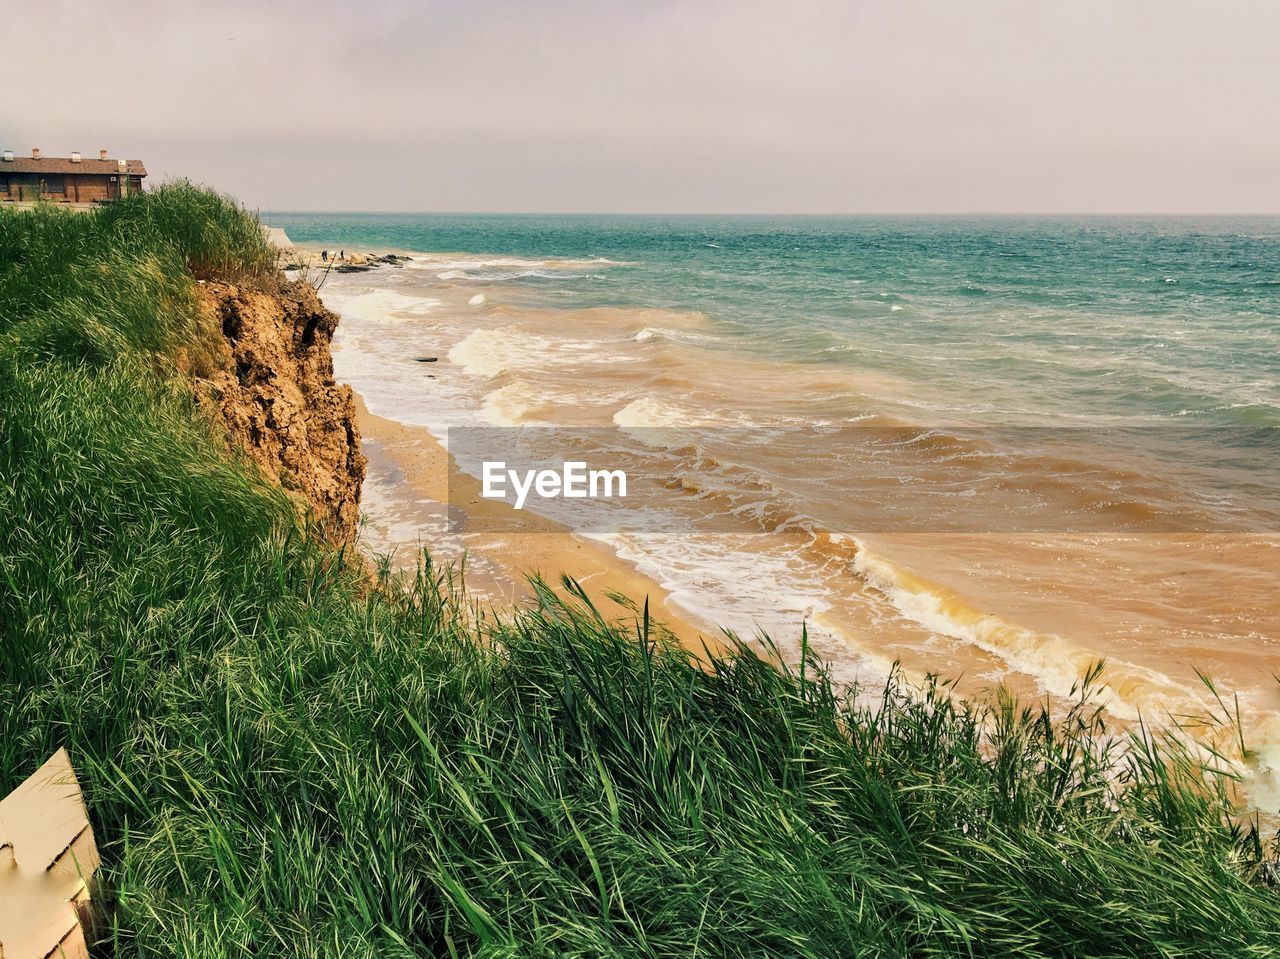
53 184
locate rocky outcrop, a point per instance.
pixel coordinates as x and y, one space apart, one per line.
272 390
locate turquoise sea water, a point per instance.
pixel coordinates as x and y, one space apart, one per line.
1067 321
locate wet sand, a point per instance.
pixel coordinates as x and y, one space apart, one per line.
497 566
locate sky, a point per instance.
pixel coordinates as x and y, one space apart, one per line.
651 106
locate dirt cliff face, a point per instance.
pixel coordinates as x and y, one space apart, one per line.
273 390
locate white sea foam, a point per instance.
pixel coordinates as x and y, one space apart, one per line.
662 333
746 585
489 353
1262 777
380 306
468 265
743 589
648 411
477 299
510 405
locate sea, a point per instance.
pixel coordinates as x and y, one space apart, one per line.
994 448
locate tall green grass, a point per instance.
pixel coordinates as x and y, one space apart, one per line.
280 761
117 284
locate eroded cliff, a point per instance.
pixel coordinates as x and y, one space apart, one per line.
271 387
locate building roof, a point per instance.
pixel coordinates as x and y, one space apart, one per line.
60 165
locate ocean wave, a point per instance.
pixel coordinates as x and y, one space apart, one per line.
1129 691
489 352
648 412
444 263
662 333
511 405
380 305
1054 662
492 352
505 276
742 590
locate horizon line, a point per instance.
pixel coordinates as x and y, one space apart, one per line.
868 213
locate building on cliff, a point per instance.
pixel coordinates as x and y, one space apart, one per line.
68 179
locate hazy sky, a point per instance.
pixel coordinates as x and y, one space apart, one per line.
652 106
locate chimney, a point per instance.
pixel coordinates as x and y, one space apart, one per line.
35 153
102 154
75 157
8 156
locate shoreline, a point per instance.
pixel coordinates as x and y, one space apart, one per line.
994 612
544 547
